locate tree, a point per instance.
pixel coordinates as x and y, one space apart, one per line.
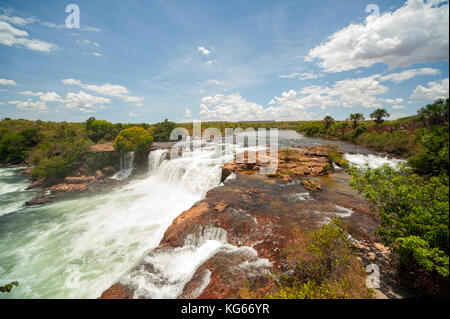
133 139
378 115
162 130
327 121
435 113
355 117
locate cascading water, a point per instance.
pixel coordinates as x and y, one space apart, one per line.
77 248
126 166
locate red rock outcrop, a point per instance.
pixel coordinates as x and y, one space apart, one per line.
258 214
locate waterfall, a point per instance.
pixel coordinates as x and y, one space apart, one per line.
372 161
155 158
126 166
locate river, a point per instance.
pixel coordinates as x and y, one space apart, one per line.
77 248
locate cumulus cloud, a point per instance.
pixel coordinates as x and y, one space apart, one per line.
113 90
433 91
7 82
30 105
84 101
396 107
133 114
233 107
204 50
12 36
97 54
45 97
415 33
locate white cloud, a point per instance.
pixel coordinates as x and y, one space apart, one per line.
396 107
12 36
30 105
301 75
45 97
435 90
392 101
204 50
97 54
16 20
118 91
415 33
212 81
133 114
234 107
408 74
71 82
84 101
7 82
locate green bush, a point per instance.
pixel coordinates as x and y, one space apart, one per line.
323 265
414 212
433 156
15 146
133 139
101 130
397 142
161 131
314 128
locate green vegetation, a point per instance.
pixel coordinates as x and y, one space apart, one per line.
162 130
356 117
323 266
8 287
378 115
414 212
133 139
432 156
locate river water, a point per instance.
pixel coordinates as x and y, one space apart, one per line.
77 248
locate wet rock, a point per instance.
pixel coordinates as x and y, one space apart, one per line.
103 147
79 179
64 187
117 291
37 183
221 206
27 171
109 170
312 185
99 174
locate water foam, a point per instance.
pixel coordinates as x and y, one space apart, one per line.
372 161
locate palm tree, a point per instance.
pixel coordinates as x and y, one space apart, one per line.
355 117
327 121
435 113
378 115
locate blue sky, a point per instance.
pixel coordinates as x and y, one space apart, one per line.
143 61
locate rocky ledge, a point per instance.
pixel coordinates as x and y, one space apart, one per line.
73 185
253 216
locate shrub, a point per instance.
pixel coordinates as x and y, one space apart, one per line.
397 142
414 215
15 146
433 156
323 266
312 128
133 139
162 130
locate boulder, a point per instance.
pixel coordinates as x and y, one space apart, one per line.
311 185
79 180
99 174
